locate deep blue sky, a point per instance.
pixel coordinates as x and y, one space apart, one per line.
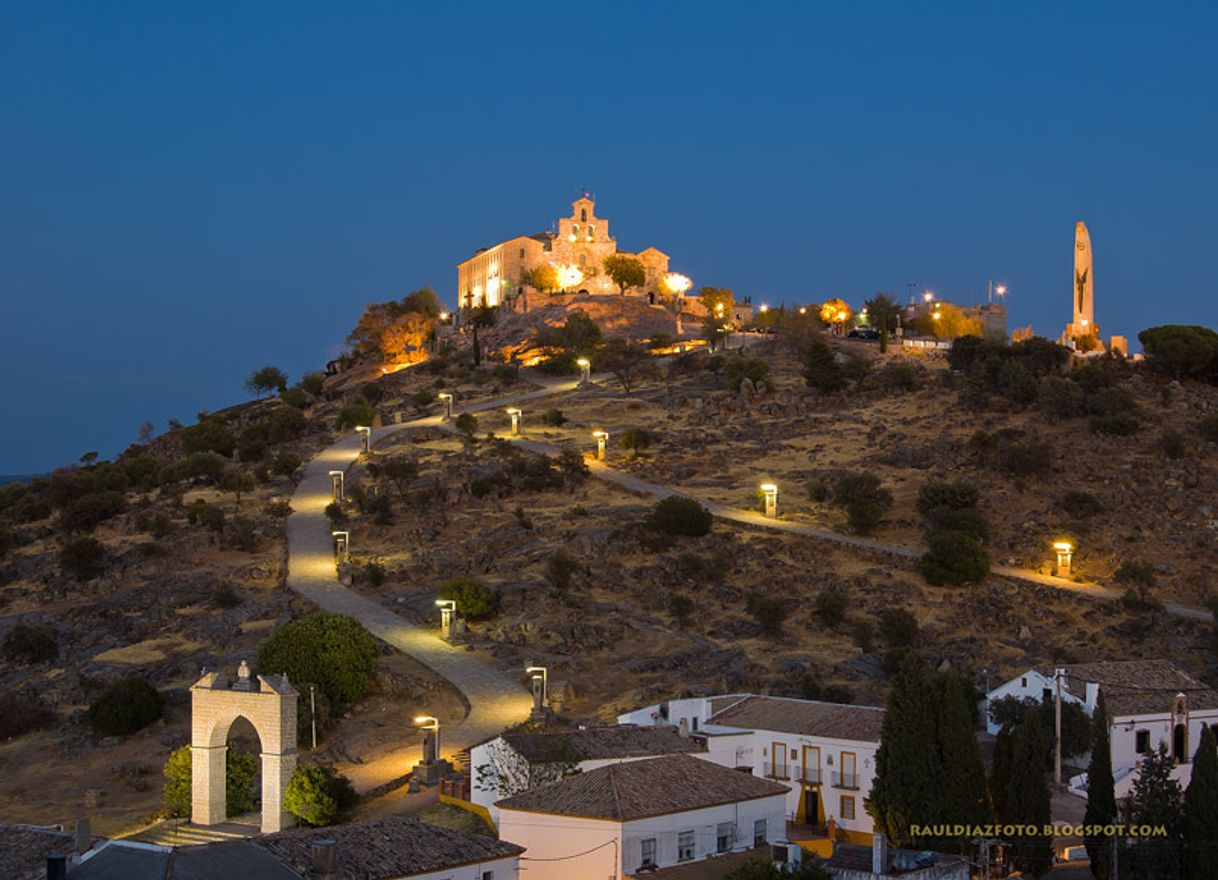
191 190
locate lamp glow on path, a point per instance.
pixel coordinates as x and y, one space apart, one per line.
585 371
770 491
431 737
514 414
1065 555
540 680
365 438
336 479
448 610
602 439
448 404
342 545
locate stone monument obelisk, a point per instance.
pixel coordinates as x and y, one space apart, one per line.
1084 287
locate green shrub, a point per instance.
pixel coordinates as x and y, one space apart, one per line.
821 371
475 600
318 794
681 607
819 491
1139 574
1120 425
29 643
332 650
554 418
1016 383
899 375
969 521
467 424
561 363
285 463
375 574
83 558
141 470
829 607
1060 397
865 501
225 596
420 400
864 516
209 435
285 423
560 569
898 628
736 370
769 611
110 478
954 559
240 769
635 440
1080 505
296 397
679 515
940 495
210 517
127 705
312 383
89 511
1173 444
357 412
23 713
1027 458
1180 350
505 374
1208 426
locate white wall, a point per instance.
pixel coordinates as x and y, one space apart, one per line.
705 825
1124 730
504 869
1029 685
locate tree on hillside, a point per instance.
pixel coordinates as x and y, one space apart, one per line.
909 771
1201 811
543 278
238 481
821 370
265 380
1155 801
835 313
882 314
946 321
625 271
1000 773
1101 796
1181 350
423 301
1027 801
417 311
963 790
717 299
627 360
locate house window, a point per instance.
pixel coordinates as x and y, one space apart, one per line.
1046 695
591 233
522 253
847 808
648 859
1141 742
723 837
759 832
583 215
1023 682
685 846
488 875
694 721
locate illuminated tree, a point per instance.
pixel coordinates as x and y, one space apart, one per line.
625 271
417 312
835 313
946 321
543 279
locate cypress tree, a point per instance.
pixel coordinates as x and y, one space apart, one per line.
965 800
1101 797
906 790
1156 801
1028 800
1201 812
1000 774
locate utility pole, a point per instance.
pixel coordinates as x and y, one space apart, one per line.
313 714
1057 751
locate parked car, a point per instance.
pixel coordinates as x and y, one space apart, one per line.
863 333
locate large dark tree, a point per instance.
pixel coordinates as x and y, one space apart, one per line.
1201 812
965 800
1101 796
1156 801
1027 800
1000 773
882 314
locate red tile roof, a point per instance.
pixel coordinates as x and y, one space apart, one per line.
805 717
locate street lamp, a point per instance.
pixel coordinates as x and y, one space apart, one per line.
448 404
431 737
999 289
336 481
677 284
585 371
514 414
602 438
928 295
365 438
448 610
1065 554
770 491
539 678
342 545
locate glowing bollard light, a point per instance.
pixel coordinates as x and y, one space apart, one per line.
585 371
336 480
431 737
770 491
602 439
1065 555
448 405
514 414
365 439
448 610
539 681
342 545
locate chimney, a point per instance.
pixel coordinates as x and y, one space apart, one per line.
84 839
879 855
323 855
57 867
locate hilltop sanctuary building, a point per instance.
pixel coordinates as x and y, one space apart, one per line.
493 276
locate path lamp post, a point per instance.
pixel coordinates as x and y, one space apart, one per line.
539 680
336 481
342 545
677 284
431 737
770 491
602 439
514 414
1065 555
448 610
585 372
365 439
448 404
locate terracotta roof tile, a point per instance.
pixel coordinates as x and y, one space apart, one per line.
637 789
1137 687
805 717
597 743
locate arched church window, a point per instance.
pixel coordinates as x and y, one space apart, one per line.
583 215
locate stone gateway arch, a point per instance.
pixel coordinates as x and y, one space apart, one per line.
270 706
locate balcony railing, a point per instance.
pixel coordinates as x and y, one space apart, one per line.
776 771
810 775
846 780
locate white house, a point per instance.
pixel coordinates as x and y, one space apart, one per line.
516 762
638 815
1148 701
823 752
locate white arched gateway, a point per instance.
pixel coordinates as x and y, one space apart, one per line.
270 706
